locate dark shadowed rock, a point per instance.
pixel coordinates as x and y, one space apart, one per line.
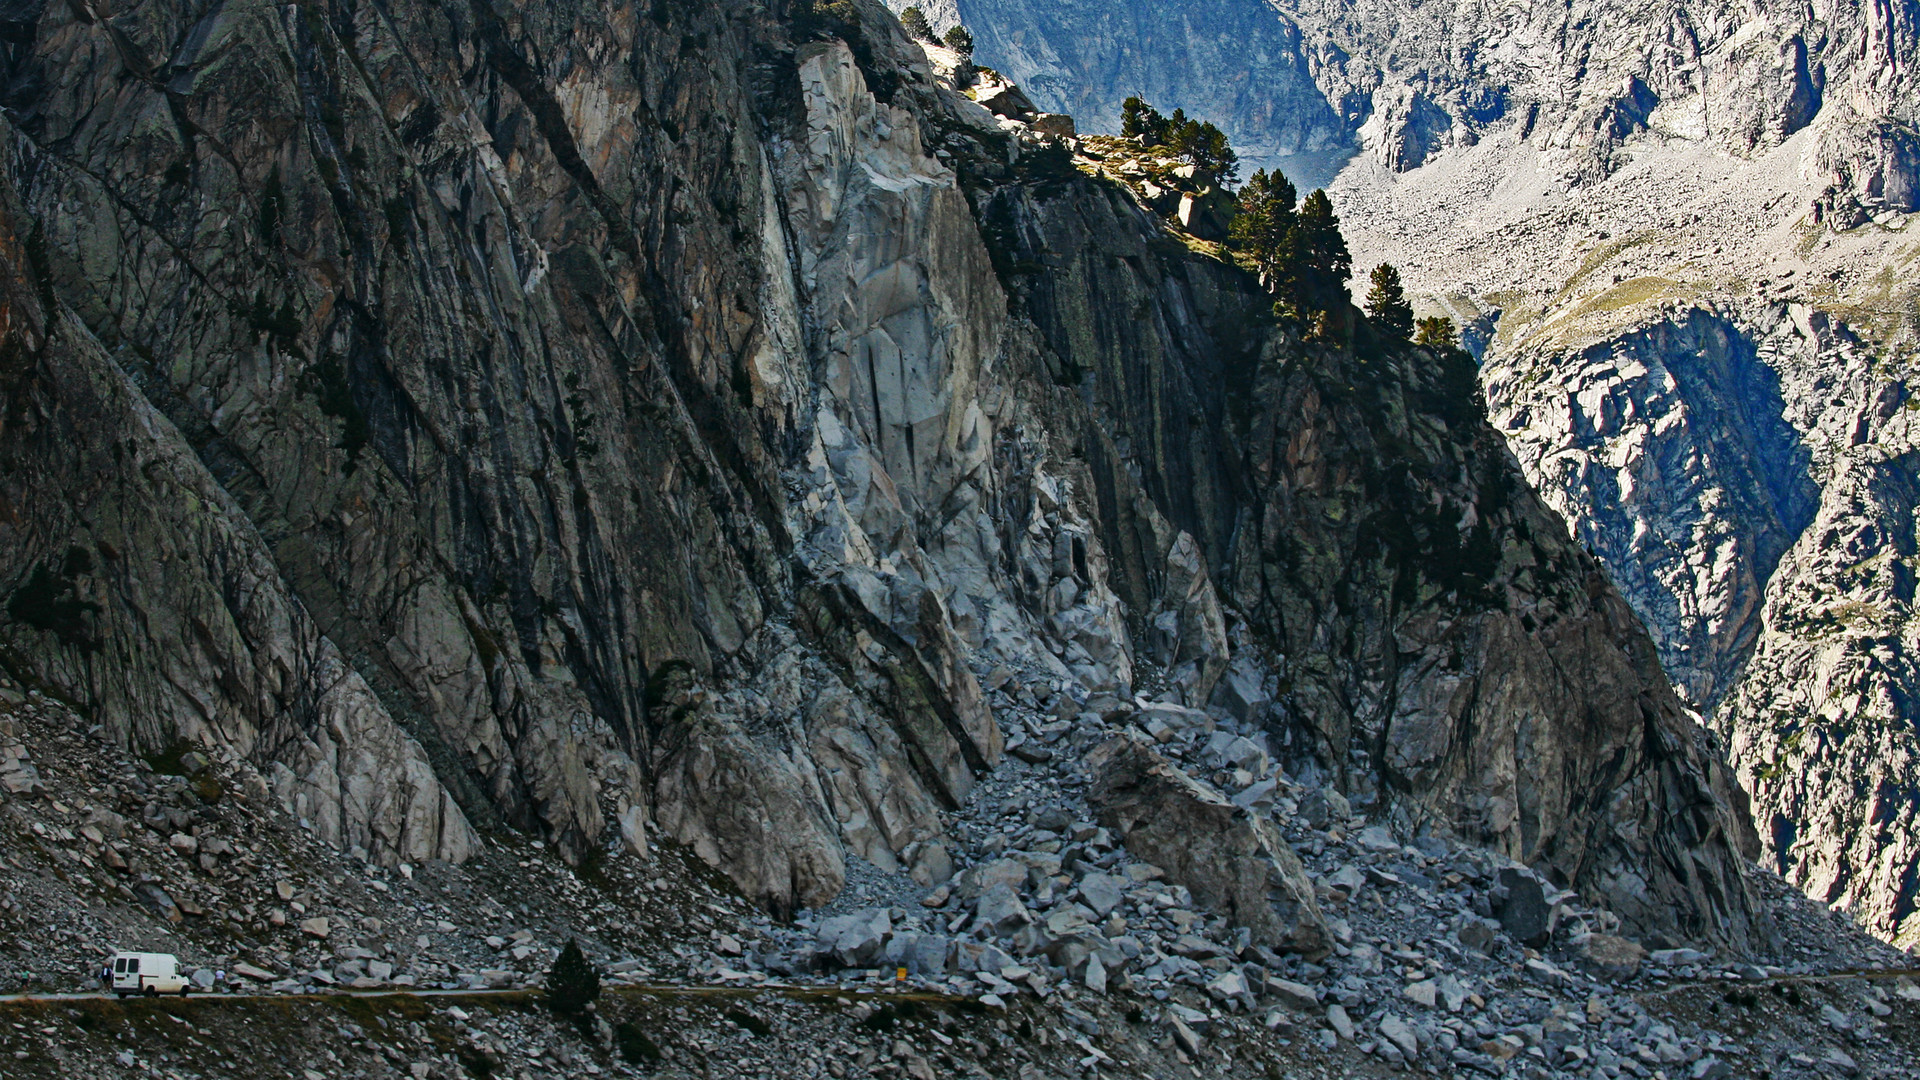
1523 910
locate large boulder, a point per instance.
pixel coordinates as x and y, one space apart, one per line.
856 940
1233 861
1207 214
1005 99
1523 908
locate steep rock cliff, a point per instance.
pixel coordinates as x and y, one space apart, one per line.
1678 236
650 418
1749 469
1428 635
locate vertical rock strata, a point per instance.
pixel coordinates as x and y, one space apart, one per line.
653 417
1679 235
1750 471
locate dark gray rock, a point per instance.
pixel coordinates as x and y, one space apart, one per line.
1521 905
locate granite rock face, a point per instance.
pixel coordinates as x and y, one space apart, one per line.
1755 465
1668 450
1674 233
650 427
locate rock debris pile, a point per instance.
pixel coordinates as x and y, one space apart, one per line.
1143 887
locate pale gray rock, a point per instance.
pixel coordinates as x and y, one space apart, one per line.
1401 1035
1342 1025
1102 893
856 940
1230 988
1294 995
1000 910
1235 863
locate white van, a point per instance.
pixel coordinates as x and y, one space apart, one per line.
149 973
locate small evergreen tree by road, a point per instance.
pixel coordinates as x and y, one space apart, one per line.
1436 331
1387 304
917 27
572 984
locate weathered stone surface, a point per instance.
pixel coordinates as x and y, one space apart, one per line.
1294 995
1000 910
1102 893
1235 863
1522 908
507 432
855 940
1615 957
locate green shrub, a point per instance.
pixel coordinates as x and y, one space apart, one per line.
572 984
917 27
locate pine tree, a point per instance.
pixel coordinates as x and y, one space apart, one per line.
1203 145
1209 151
572 984
1323 259
1387 303
1264 230
917 27
1436 331
1139 120
1180 132
960 40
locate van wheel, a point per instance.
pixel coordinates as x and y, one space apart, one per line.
153 991
121 994
183 991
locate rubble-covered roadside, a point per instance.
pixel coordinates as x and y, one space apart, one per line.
193 856
1053 948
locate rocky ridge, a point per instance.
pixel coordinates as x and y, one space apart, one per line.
920 446
1706 372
